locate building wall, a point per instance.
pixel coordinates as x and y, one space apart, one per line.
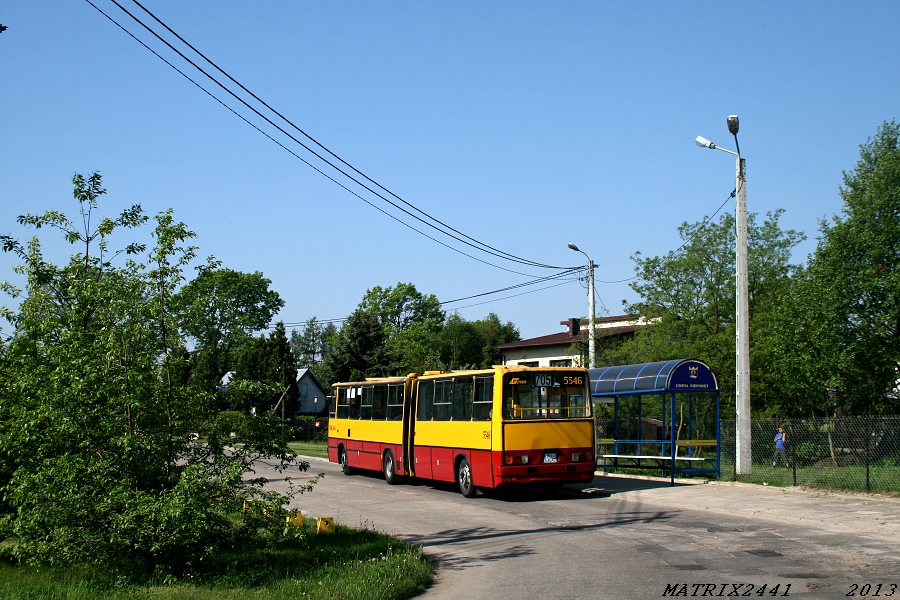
542 355
309 391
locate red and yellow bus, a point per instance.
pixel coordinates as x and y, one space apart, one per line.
482 429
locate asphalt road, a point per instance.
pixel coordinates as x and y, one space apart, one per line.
615 538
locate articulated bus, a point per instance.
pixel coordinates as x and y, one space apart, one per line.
481 429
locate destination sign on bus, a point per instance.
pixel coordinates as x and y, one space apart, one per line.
550 380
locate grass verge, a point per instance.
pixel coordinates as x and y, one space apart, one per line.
318 449
351 564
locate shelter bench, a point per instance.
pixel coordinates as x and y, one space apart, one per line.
660 460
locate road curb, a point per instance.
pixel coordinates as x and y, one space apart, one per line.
652 478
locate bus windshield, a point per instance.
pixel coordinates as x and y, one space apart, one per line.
553 395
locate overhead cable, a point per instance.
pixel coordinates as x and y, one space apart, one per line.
320 145
490 251
297 156
512 287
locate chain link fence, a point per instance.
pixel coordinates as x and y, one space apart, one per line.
850 453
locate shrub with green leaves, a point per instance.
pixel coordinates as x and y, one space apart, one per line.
110 455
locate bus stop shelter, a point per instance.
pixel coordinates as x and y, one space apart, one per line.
661 415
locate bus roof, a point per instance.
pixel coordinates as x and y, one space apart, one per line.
435 374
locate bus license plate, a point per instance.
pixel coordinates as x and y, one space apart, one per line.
549 457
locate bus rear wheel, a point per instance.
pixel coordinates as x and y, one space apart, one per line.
464 479
390 470
345 466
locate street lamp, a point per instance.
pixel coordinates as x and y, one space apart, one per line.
743 457
590 305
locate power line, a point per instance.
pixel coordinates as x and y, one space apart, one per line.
298 157
512 287
295 323
686 242
491 251
514 295
319 144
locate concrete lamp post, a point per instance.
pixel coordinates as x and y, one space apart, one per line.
743 458
591 333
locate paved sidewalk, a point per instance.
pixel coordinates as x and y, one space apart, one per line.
868 513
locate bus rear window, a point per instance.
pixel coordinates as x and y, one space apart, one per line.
555 395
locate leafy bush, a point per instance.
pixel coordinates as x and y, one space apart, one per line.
100 451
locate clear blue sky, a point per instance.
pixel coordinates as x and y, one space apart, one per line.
525 125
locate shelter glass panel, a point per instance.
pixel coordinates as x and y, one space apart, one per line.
628 423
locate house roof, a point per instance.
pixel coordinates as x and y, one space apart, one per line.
606 327
565 338
303 372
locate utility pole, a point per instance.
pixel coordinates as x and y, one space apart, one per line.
592 331
742 393
743 461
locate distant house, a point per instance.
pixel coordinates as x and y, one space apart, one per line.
553 350
312 398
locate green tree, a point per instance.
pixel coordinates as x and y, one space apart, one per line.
410 319
688 297
400 306
416 349
494 333
265 375
839 343
310 346
98 433
220 309
358 351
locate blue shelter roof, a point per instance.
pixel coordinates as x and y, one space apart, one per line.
682 375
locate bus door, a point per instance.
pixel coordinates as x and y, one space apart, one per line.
409 424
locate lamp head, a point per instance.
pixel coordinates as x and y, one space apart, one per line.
733 124
574 247
704 143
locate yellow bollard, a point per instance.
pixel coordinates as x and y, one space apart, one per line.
295 518
325 525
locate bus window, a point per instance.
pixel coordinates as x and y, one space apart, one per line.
395 402
365 405
355 398
343 403
544 395
554 404
426 401
379 401
442 396
462 399
527 403
577 405
484 398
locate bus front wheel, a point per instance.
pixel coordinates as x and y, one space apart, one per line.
464 479
390 471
